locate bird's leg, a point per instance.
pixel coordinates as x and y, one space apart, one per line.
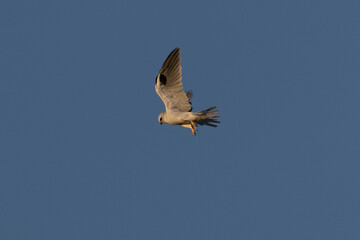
193 124
193 129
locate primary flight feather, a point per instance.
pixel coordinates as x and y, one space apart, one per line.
177 103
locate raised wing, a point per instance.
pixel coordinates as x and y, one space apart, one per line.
169 87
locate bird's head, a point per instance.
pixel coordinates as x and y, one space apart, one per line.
161 117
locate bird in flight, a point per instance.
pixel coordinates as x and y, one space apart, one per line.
177 103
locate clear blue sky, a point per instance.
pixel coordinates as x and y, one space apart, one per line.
82 155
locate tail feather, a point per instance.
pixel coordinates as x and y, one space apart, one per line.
208 117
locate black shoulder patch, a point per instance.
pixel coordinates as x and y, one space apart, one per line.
191 108
163 79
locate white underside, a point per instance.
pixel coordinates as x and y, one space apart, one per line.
186 125
180 118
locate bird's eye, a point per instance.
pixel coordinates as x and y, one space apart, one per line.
160 119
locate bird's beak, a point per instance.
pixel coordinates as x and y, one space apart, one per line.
160 123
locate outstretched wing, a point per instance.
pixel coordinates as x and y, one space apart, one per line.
169 87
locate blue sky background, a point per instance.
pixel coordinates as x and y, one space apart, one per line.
83 157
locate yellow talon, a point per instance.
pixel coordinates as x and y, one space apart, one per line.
193 129
193 132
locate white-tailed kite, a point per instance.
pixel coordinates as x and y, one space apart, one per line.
177 103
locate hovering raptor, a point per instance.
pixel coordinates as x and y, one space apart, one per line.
177 103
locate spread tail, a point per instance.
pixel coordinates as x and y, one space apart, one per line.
208 117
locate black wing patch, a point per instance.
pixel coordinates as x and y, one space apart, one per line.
163 79
189 95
